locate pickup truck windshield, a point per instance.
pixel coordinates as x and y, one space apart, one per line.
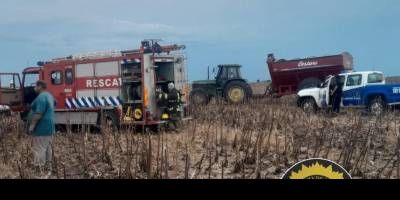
375 78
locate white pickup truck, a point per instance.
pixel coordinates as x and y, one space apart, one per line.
360 89
4 109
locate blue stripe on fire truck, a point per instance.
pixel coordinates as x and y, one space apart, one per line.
92 102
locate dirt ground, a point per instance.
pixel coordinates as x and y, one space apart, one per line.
261 139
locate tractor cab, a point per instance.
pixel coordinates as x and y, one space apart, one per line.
227 73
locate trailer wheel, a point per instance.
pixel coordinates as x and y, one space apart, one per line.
377 106
237 92
198 97
268 91
24 116
309 83
308 105
249 92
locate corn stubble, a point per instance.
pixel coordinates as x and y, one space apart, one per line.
260 139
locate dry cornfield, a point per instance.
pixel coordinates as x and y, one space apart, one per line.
261 139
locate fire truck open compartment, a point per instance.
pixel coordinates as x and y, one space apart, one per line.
164 74
131 89
165 71
162 70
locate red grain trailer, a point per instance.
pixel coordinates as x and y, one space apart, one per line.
289 76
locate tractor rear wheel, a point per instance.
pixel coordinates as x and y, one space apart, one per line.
237 92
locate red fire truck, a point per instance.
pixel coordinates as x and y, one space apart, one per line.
119 86
289 76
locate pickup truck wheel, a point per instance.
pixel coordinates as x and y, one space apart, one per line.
377 106
309 105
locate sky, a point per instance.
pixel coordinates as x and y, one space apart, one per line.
214 31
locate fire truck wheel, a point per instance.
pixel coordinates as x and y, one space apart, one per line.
237 92
6 113
377 106
111 120
309 83
24 115
308 105
198 97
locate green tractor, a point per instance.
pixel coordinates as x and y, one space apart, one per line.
227 84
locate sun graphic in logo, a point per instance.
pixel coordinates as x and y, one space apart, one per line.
316 171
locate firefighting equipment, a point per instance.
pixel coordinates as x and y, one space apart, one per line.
170 102
164 116
137 114
128 114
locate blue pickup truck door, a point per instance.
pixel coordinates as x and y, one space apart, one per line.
352 90
394 95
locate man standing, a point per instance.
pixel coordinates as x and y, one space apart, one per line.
41 126
337 94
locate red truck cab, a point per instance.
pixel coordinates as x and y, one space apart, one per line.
17 93
11 92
